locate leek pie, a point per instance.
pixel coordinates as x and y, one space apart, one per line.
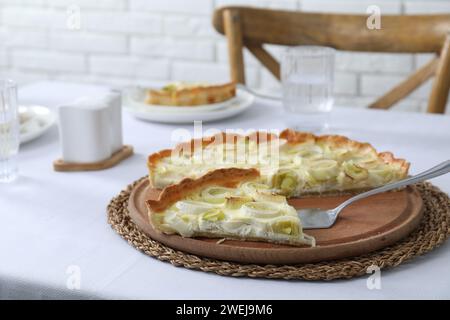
227 203
191 94
291 164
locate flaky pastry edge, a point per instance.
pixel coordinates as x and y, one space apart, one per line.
230 177
297 137
292 137
153 159
229 88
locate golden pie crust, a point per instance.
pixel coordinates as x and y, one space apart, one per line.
296 137
292 138
192 96
221 177
190 146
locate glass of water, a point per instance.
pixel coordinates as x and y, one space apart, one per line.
307 74
9 130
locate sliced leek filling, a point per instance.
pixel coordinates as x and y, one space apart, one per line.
301 168
249 212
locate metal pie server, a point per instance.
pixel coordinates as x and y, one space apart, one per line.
314 218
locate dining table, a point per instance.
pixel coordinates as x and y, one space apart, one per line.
54 224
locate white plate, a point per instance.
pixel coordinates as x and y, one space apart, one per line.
40 120
216 111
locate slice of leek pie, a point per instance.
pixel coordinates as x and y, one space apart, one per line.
191 94
293 164
230 204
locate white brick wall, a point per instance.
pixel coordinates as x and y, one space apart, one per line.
3 59
351 6
129 42
210 72
416 7
32 17
186 49
173 6
122 22
374 62
23 38
48 61
129 66
91 4
188 26
88 42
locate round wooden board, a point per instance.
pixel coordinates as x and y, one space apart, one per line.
367 225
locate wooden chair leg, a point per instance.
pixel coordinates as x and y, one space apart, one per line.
441 85
407 86
265 58
233 31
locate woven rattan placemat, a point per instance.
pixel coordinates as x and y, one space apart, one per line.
432 231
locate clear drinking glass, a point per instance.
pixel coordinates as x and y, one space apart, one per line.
307 74
9 131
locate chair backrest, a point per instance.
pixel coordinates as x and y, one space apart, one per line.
252 27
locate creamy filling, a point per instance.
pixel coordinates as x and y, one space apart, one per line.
249 212
297 169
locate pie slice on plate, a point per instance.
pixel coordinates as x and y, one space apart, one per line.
292 164
227 204
194 94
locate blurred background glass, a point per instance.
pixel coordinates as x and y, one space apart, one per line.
9 131
307 74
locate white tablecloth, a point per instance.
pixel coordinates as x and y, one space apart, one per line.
54 224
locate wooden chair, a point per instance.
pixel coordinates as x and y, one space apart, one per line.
252 27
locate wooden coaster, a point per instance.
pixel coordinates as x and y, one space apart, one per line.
117 157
